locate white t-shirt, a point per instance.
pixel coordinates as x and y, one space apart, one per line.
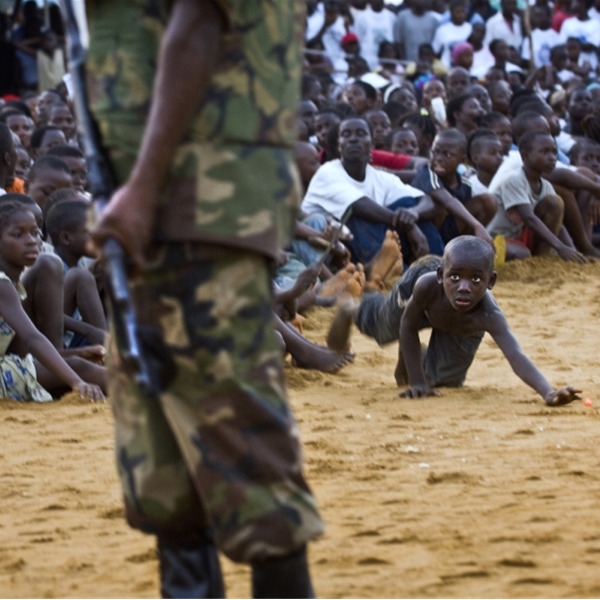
587 32
514 191
498 29
543 41
332 42
482 61
332 190
476 186
372 28
446 36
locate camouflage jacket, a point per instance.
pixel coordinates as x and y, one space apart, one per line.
232 181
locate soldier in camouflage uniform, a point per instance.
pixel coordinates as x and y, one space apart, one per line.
208 194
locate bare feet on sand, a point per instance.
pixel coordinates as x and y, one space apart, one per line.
338 282
388 264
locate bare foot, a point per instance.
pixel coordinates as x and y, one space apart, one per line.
338 337
356 285
338 282
387 256
321 358
394 273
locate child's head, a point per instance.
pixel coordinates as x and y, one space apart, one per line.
20 239
67 228
47 174
307 161
464 112
75 160
324 121
579 103
477 90
404 141
381 127
361 96
23 163
586 153
467 272
403 94
457 81
44 138
484 151
528 121
501 126
558 56
538 151
500 95
60 115
458 12
424 128
21 124
433 88
462 55
447 153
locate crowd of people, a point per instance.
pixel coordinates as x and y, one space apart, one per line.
417 123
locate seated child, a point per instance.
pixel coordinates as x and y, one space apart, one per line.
452 296
31 367
66 225
484 151
404 141
457 209
530 214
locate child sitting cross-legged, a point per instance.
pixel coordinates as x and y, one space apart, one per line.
530 214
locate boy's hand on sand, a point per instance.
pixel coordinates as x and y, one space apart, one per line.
90 391
420 391
572 255
563 396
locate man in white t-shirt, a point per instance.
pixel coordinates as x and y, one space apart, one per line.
585 29
378 200
374 25
328 27
505 25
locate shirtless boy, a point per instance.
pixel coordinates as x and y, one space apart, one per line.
452 296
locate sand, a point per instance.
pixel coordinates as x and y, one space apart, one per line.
484 492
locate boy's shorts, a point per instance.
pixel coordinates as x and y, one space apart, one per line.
525 239
218 450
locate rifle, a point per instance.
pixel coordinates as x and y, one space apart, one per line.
102 184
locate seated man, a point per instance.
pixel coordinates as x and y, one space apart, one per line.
377 200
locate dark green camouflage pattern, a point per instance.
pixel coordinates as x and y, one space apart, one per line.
223 418
232 179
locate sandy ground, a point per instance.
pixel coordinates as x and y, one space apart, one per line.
483 492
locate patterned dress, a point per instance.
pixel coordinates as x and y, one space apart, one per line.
19 381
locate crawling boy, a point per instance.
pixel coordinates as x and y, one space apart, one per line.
452 296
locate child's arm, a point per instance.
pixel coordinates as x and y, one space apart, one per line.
410 345
39 346
448 202
539 228
523 366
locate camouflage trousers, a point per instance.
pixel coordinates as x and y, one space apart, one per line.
218 451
